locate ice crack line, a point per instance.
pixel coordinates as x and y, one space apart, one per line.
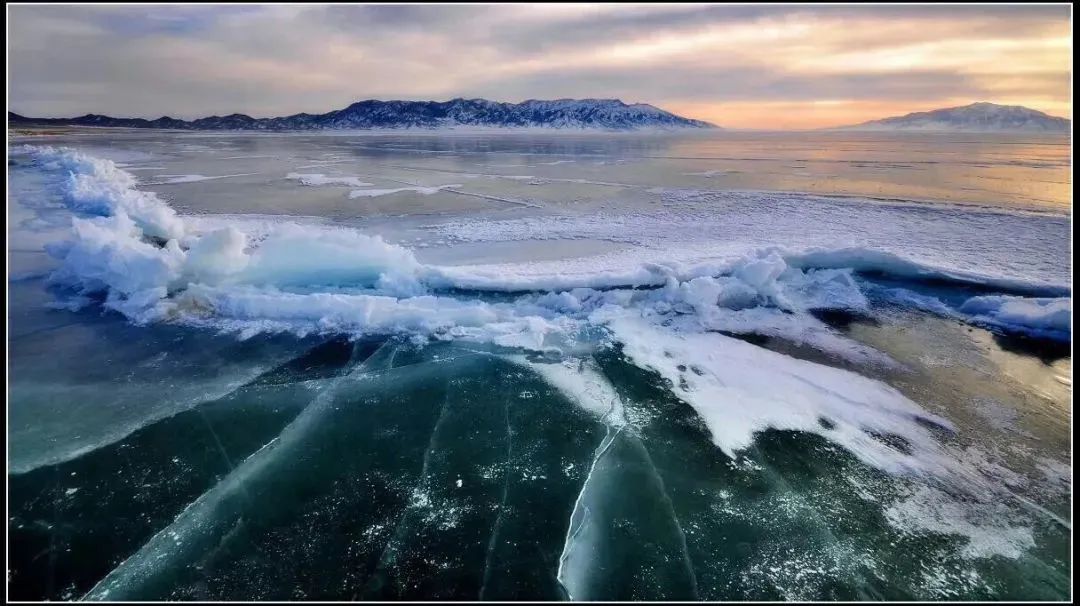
175 541
822 526
678 527
572 531
1040 509
470 193
493 540
389 554
493 198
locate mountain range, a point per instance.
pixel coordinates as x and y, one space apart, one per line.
602 114
598 114
977 117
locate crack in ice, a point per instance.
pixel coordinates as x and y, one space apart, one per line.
678 527
392 548
492 540
572 531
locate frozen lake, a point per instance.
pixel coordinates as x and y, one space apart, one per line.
724 366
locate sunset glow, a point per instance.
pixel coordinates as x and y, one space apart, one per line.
737 66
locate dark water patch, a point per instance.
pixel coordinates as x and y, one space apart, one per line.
683 385
939 430
843 319
1047 351
752 338
954 291
896 442
793 349
327 359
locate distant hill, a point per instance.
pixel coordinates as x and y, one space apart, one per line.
604 114
977 117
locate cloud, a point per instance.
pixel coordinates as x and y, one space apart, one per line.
189 61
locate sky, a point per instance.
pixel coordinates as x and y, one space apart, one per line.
739 66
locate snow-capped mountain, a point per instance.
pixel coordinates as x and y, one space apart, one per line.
605 114
977 117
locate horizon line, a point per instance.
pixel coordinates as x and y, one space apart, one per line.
461 98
